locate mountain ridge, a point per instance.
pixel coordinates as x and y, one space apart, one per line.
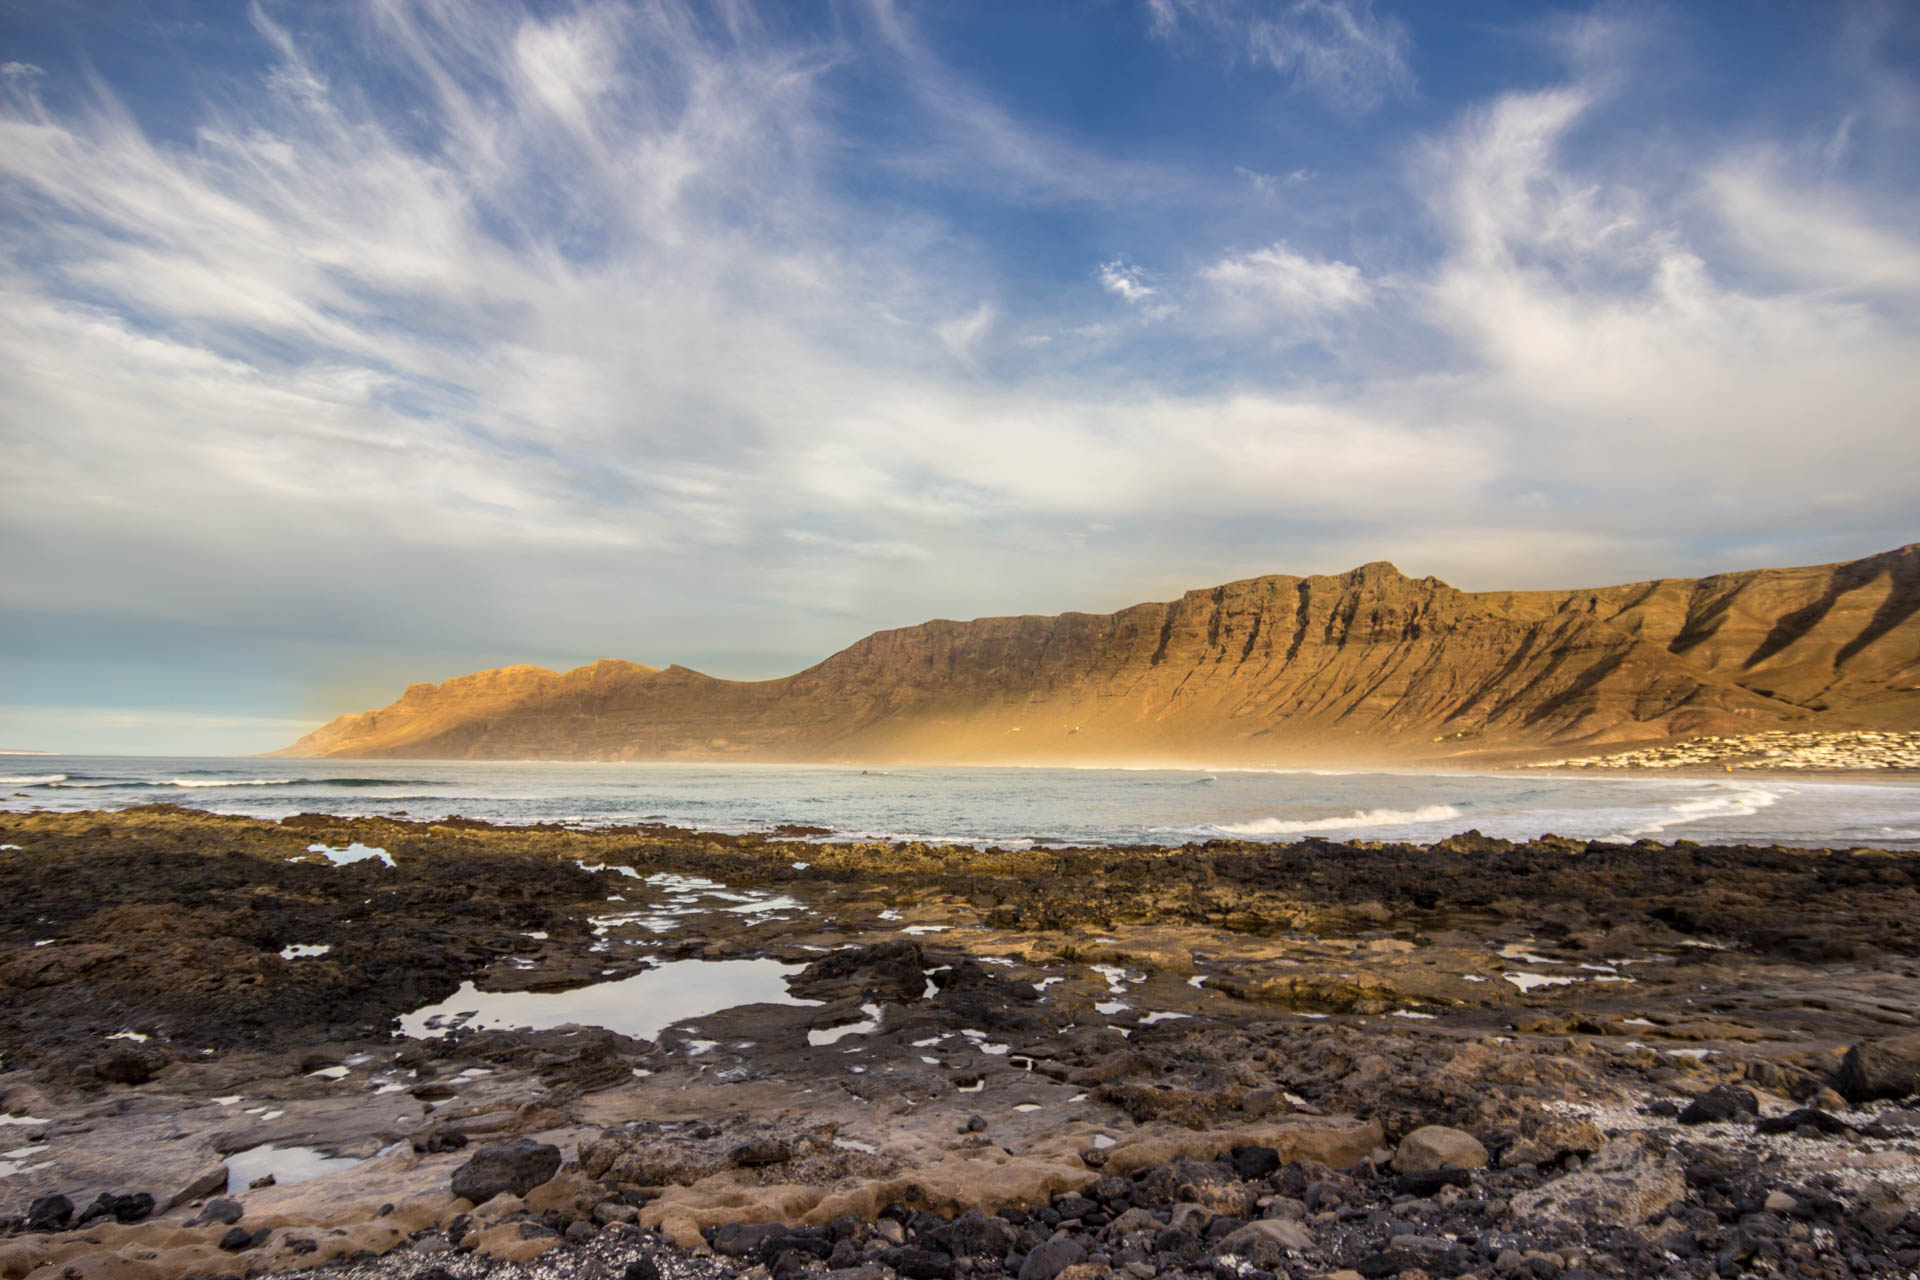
1273 669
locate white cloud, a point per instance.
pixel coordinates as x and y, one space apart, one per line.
964 336
1128 281
1626 361
1811 237
1338 50
1278 282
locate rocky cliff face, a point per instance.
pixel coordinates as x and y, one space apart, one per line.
1363 665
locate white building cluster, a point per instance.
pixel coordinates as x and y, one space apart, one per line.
1774 750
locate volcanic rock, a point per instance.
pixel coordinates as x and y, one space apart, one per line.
1267 1242
1052 1257
131 1207
1623 1185
515 1168
1439 1147
1722 1102
1886 1068
49 1213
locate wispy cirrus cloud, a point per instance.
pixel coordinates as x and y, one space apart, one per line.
1340 51
1657 350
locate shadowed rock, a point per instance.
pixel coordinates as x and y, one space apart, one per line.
513 1168
1887 1068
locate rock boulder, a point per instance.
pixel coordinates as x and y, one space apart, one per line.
1885 1068
513 1168
1436 1146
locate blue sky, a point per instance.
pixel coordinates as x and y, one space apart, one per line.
351 344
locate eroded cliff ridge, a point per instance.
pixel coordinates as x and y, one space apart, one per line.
1369 664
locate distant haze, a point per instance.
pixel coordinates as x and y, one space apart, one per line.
347 345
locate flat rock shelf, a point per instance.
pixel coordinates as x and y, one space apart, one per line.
665 1054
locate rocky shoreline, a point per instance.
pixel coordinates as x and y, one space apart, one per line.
1226 1061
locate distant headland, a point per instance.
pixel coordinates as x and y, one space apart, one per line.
1369 665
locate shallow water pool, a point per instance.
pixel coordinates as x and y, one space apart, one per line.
286 1164
641 1006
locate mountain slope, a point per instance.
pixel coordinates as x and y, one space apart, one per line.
1276 669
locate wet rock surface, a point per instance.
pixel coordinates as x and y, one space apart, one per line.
1483 1058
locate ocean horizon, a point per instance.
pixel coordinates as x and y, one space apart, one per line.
1009 806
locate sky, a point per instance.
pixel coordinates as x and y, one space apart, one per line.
351 344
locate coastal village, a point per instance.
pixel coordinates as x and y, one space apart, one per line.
1854 749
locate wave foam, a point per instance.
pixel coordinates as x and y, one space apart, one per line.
1358 818
226 782
60 782
1734 800
31 779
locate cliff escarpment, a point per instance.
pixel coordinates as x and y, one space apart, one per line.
1368 664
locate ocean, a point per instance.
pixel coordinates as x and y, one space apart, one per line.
1010 807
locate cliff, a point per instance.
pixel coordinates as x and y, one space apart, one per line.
1369 664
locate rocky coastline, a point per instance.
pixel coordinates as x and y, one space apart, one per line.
1220 1062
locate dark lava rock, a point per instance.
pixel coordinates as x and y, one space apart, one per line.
924 1264
974 1235
1073 1205
49 1213
127 1208
222 1211
236 1239
1388 1262
1885 1068
894 969
1722 1102
1429 1181
810 1243
1253 1162
738 1239
641 1269
1051 1258
1819 1121
132 1063
435 1143
1181 1242
515 1167
761 1149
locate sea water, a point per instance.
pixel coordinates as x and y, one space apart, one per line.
1010 807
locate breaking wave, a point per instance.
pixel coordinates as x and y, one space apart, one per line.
1735 800
1358 818
226 782
59 782
32 779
